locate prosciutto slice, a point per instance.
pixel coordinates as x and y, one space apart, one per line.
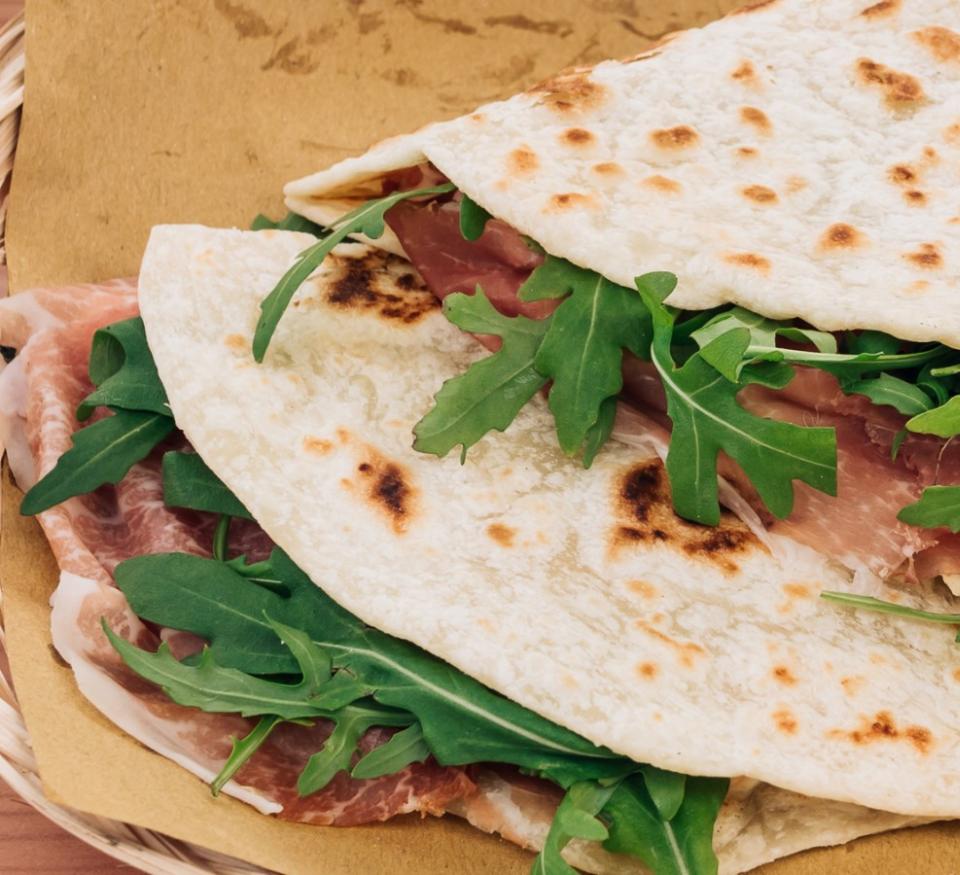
91 534
858 527
498 262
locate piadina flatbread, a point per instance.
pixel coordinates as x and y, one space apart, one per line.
577 594
798 158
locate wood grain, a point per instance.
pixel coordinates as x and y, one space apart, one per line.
31 844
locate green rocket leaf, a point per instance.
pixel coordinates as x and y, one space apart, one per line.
582 352
491 392
367 219
702 404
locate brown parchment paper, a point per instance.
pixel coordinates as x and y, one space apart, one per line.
146 111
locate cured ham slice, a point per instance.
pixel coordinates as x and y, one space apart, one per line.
858 527
91 534
499 261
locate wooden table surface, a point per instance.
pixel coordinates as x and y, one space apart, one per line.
29 843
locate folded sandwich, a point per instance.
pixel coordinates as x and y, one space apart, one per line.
715 281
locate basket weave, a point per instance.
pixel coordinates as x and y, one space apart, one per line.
142 848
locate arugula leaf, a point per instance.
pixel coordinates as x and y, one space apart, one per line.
408 746
934 384
463 722
473 219
666 789
763 332
576 818
885 389
290 222
188 482
220 690
847 366
101 453
122 368
221 538
682 845
582 351
600 431
367 219
243 749
706 418
336 755
491 392
868 603
441 711
213 600
873 351
725 353
942 421
872 342
897 443
937 506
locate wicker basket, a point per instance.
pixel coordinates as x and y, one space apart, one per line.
142 848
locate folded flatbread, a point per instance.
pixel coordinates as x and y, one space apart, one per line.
796 158
700 650
505 533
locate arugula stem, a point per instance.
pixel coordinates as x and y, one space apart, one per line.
243 749
868 603
886 362
256 570
368 219
221 537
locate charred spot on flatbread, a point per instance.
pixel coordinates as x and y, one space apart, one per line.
941 42
502 534
570 200
686 652
379 283
675 138
756 118
903 174
750 260
745 73
577 137
759 194
756 6
783 675
647 670
608 168
645 515
663 184
882 727
388 488
926 257
785 721
899 89
882 9
571 93
522 160
841 235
